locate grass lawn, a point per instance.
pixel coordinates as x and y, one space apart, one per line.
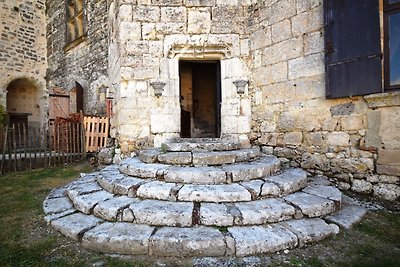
25 239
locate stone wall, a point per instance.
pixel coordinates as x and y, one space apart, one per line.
85 62
23 55
348 139
152 37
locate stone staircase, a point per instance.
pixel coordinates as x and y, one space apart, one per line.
197 198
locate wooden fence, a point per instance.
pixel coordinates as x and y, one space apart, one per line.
62 141
24 148
96 129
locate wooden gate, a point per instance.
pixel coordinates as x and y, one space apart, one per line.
96 135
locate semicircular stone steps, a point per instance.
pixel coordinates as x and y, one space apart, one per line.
235 172
286 182
129 238
151 206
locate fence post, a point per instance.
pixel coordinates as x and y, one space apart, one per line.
83 137
4 150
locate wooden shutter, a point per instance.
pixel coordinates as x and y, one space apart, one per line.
352 48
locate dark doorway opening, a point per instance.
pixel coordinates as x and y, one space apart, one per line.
200 92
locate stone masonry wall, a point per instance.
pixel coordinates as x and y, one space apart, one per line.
23 48
152 36
345 138
85 63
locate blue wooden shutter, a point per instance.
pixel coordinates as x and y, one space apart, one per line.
353 58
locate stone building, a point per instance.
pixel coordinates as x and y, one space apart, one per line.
77 48
23 91
273 73
264 64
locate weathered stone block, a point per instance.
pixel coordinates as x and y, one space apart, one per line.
122 238
281 31
293 138
260 38
308 21
214 193
306 66
199 20
389 192
215 214
163 213
264 211
283 51
163 123
314 161
109 209
175 158
158 190
353 122
173 14
146 13
270 74
389 157
310 205
281 10
199 175
178 242
311 230
361 186
213 158
338 139
313 43
347 216
314 139
259 239
75 224
125 13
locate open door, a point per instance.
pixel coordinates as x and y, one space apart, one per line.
200 93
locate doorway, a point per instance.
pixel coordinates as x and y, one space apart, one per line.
200 99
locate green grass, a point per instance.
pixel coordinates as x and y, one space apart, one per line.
25 239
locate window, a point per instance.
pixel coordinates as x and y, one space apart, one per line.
392 44
353 53
354 47
74 21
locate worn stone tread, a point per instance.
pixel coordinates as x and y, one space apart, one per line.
121 238
310 205
214 193
289 181
74 225
250 240
195 241
237 172
311 230
162 213
201 145
347 216
142 239
265 211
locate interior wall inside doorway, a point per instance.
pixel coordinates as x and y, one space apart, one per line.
198 99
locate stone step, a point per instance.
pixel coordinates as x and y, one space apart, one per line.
107 222
200 144
138 239
265 166
200 205
210 158
287 182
